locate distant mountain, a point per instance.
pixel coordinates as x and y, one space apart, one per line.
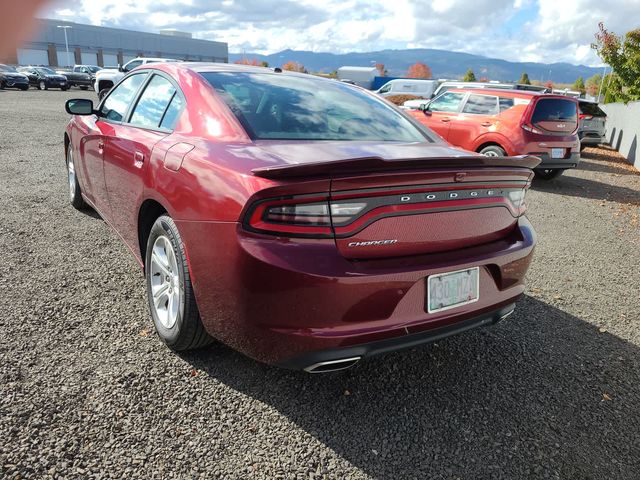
443 63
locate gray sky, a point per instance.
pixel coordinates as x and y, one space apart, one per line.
518 30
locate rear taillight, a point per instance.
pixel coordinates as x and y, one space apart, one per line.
295 217
299 214
532 129
319 216
584 116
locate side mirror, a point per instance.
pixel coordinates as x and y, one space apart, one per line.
425 108
79 106
121 68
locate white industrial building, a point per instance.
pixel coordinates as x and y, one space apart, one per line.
105 46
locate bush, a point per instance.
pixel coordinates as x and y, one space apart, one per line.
400 99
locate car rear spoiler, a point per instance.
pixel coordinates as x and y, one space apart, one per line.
378 164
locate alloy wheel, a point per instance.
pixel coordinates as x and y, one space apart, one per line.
41 85
166 288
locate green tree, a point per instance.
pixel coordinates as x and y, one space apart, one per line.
264 64
469 76
624 57
524 79
579 85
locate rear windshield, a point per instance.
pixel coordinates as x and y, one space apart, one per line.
591 109
283 107
554 109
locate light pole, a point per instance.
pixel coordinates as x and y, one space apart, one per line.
66 43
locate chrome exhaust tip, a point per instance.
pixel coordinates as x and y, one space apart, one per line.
332 365
504 317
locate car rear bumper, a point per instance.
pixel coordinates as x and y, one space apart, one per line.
591 137
285 301
571 161
339 358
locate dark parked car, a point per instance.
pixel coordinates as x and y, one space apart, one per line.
76 78
11 78
302 221
592 124
44 78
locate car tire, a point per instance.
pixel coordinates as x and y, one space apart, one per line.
42 85
102 93
64 89
493 151
1 85
548 173
84 87
75 193
169 290
24 88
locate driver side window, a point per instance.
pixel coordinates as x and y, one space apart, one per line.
386 88
116 104
447 102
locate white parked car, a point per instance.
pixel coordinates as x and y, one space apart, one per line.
404 86
108 77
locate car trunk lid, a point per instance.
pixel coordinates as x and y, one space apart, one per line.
381 207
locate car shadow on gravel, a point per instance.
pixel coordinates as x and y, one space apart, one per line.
593 165
544 394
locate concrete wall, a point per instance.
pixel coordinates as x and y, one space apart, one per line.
623 129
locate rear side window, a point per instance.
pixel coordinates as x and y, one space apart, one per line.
505 103
153 103
481 105
591 109
447 102
116 104
554 109
171 115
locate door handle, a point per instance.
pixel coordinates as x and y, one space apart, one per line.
138 157
486 124
445 120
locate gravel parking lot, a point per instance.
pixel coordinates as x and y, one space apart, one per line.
87 390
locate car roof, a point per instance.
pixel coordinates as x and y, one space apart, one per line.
498 91
204 67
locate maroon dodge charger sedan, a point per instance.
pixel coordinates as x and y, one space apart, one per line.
302 221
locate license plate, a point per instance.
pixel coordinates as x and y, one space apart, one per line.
557 153
452 289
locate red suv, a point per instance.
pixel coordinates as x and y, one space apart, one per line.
508 122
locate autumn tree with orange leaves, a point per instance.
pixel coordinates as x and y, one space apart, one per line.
419 70
246 61
294 67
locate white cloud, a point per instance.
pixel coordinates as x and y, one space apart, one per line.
517 30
